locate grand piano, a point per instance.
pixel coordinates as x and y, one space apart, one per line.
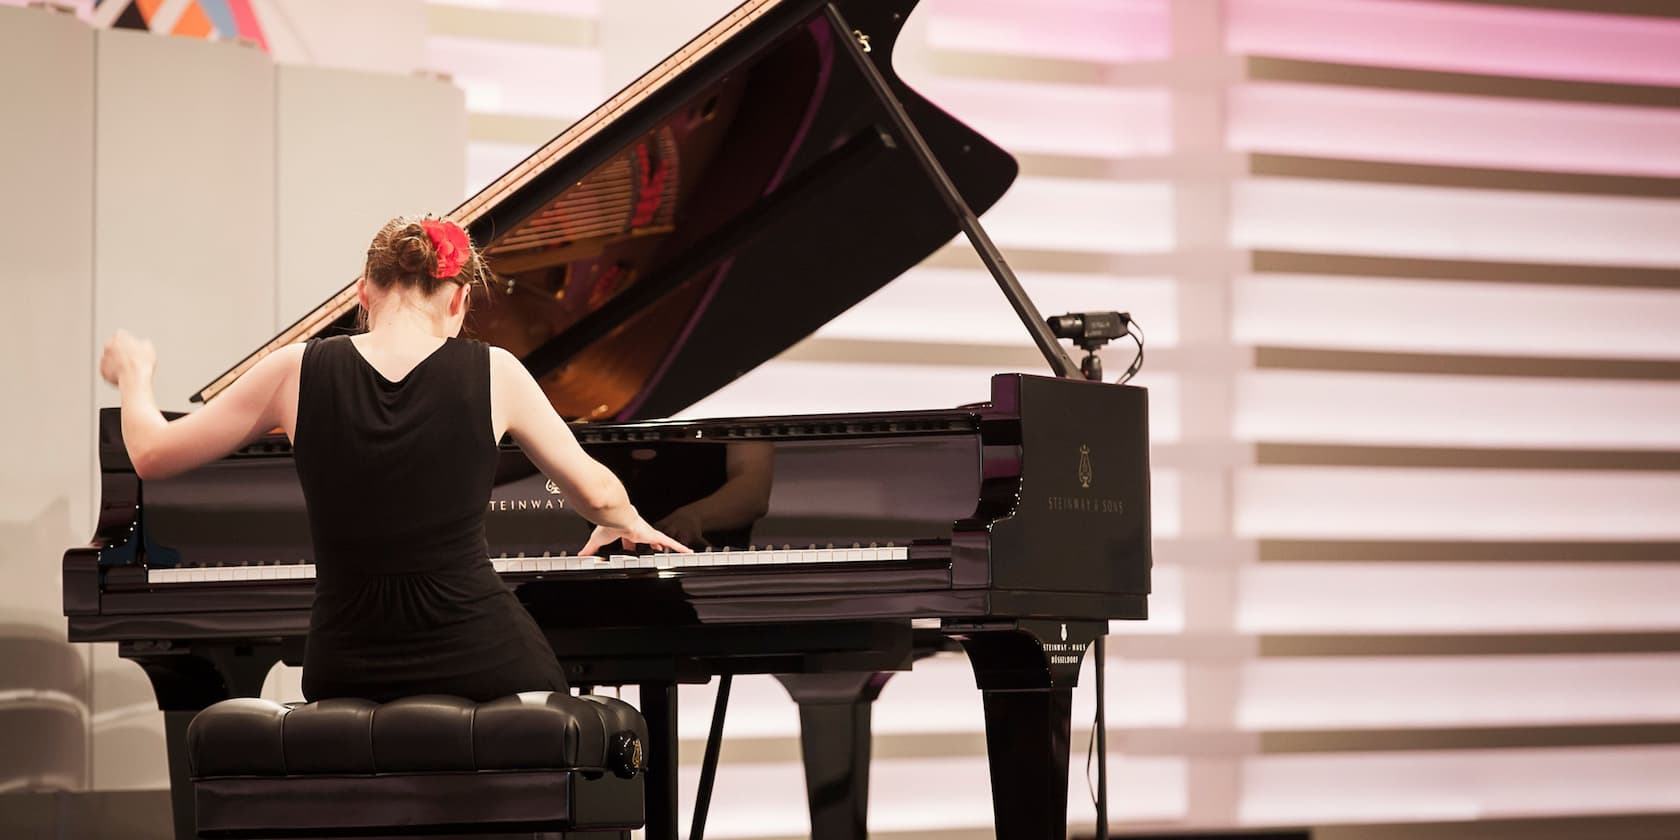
745 191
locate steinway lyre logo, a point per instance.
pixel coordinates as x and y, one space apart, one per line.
555 500
1084 467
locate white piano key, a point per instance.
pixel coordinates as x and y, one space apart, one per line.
735 560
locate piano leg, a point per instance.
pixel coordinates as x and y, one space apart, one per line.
186 680
834 729
1026 671
1027 749
659 708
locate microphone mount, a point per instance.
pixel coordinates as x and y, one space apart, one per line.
1090 331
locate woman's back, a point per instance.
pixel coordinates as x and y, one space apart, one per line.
397 476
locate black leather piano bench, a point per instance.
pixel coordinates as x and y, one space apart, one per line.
543 764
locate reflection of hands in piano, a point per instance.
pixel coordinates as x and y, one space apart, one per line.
638 532
686 526
742 500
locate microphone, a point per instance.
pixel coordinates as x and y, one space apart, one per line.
1090 327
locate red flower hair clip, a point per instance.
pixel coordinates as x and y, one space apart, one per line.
451 245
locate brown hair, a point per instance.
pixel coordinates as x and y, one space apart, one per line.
402 255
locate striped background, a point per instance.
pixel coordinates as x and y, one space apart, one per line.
1409 272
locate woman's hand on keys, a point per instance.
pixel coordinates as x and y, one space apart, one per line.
638 533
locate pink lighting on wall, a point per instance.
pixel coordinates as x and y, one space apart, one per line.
975 312
1068 214
1393 692
1088 30
1463 37
1418 596
535 80
1450 130
1059 119
1453 223
1437 410
1358 313
1399 503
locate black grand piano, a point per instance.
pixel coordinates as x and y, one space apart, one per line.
751 187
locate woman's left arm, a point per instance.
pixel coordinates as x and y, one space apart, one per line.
252 405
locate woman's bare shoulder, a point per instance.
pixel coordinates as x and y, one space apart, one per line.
286 359
504 364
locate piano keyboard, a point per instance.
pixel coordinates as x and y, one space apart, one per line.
707 560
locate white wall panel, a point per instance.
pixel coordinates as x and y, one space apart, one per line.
1057 119
1452 130
341 174
185 222
1424 597
47 460
1439 410
1330 693
381 36
579 8
638 34
1473 504
1425 316
1084 30
487 160
502 77
1453 223
1463 37
1068 214
184 255
963 306
1458 785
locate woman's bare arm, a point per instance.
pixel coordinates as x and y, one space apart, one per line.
589 487
251 406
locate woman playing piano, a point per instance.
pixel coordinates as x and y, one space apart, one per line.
394 434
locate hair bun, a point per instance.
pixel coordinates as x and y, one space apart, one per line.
414 250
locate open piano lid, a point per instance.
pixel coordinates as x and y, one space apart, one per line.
713 213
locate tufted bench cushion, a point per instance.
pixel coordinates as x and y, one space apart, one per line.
540 761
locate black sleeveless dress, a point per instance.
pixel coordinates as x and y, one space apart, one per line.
397 479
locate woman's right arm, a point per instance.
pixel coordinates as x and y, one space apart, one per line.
589 487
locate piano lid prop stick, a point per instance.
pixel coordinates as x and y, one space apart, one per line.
708 766
856 45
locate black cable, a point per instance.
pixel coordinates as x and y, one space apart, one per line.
1091 753
1136 332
